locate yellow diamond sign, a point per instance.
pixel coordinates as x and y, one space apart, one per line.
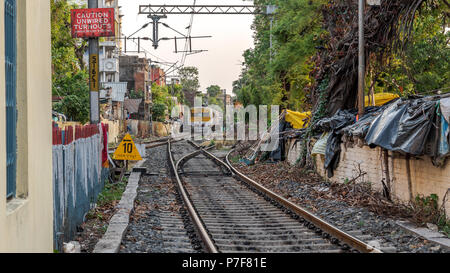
127 150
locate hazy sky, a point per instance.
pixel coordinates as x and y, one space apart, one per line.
232 35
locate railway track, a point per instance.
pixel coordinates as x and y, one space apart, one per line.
232 213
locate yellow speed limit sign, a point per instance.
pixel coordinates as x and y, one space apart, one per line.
127 150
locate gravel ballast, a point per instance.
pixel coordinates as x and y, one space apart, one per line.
306 190
158 223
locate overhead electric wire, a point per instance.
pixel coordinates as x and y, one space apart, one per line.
148 52
167 26
144 26
186 45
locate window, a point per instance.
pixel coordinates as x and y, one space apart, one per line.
11 101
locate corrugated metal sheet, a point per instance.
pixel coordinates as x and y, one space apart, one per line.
78 179
119 89
132 105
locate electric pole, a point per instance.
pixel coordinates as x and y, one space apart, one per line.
94 84
271 9
362 59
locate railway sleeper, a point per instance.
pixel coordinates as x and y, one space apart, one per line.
279 248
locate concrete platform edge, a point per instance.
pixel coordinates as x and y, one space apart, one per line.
110 242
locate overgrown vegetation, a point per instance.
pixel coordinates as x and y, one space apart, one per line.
190 83
112 192
281 74
136 94
426 209
69 75
423 67
107 201
159 112
407 52
163 98
213 93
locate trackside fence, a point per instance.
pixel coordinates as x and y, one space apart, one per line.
78 176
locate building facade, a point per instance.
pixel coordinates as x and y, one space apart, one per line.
26 199
110 48
157 75
136 72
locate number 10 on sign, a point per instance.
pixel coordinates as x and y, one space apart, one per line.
127 150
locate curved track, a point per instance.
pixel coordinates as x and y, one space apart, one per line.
232 213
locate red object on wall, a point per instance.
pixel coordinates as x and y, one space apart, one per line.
91 23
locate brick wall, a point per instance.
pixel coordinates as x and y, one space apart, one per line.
426 179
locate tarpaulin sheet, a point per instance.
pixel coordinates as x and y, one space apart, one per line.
381 99
298 120
444 147
360 128
445 108
337 125
279 153
403 127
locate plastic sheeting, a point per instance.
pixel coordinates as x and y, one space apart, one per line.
360 128
344 121
416 126
445 109
403 127
444 142
279 153
298 120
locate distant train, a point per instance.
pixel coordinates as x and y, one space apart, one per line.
204 119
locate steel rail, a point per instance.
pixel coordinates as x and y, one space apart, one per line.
344 237
198 224
158 144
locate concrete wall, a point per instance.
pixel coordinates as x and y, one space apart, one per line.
160 129
426 179
114 130
26 221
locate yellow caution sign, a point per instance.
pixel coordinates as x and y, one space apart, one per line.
127 150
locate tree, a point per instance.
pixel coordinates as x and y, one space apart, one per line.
159 112
67 52
136 95
190 83
423 66
281 74
75 102
161 95
69 76
213 91
176 90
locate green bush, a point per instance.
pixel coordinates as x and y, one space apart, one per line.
159 112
